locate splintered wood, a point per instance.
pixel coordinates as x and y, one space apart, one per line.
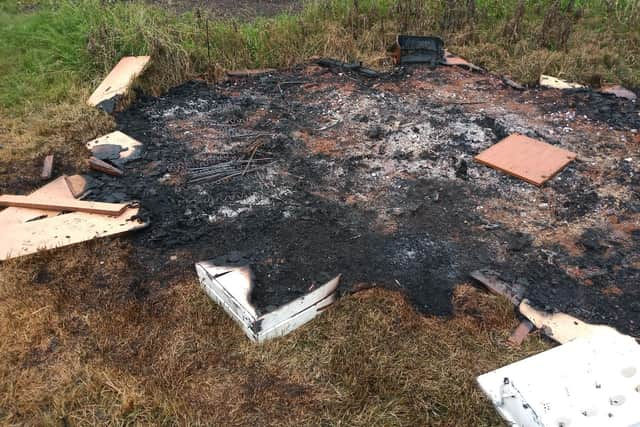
119 79
47 167
29 230
528 159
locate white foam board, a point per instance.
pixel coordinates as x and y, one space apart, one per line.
588 382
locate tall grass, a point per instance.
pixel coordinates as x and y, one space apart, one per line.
52 50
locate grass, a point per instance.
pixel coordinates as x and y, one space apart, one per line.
79 348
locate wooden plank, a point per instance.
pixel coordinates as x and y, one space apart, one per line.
57 188
451 59
63 230
47 167
562 327
119 79
285 313
520 333
104 167
528 159
491 280
62 205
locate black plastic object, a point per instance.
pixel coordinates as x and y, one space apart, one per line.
420 50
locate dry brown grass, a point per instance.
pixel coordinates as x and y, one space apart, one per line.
88 341
60 129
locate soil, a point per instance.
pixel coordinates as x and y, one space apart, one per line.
374 179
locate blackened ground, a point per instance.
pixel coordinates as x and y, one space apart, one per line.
372 180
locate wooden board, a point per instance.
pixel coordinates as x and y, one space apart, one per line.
451 59
560 326
119 79
520 333
104 167
57 188
528 159
64 204
63 230
131 146
491 280
47 167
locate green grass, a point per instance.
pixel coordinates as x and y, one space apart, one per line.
52 50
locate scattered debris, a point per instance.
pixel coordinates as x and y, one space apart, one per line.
29 230
556 83
451 59
225 170
105 167
520 333
356 67
381 210
231 286
250 73
514 85
68 205
560 326
526 158
619 91
47 167
118 82
588 382
491 280
418 50
116 146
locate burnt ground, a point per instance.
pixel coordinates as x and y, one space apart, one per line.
374 179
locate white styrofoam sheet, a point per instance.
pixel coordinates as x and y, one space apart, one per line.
588 382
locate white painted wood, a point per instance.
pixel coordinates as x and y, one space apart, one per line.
231 288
